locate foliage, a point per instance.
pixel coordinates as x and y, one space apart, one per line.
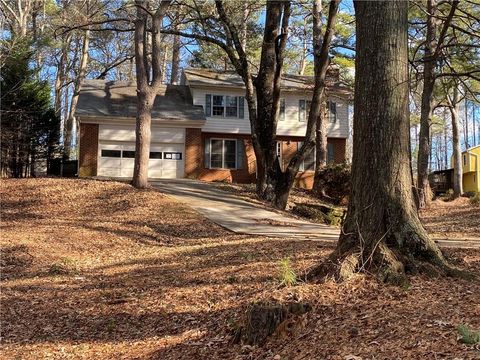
336 182
287 274
468 335
30 129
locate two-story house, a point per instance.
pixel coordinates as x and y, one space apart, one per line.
200 129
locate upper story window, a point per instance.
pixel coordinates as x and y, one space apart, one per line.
224 106
304 110
282 109
332 111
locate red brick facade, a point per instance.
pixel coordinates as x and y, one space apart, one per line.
195 162
88 150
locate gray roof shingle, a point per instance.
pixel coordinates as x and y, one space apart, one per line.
99 98
205 77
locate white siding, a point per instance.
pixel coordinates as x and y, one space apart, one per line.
291 126
127 133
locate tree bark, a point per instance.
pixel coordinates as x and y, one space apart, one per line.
149 80
457 151
424 147
432 52
82 69
286 179
382 233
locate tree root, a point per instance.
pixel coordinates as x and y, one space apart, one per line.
387 265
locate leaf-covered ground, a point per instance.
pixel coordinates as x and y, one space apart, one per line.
98 270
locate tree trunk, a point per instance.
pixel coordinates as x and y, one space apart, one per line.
82 69
382 233
142 140
146 90
457 151
424 147
285 180
175 60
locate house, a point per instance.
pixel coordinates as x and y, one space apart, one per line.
471 169
200 129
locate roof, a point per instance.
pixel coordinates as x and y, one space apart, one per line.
472 148
198 77
100 98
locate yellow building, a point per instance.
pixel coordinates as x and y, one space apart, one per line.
471 169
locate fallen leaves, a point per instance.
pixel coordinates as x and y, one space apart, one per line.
147 277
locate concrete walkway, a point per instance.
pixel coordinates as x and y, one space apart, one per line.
244 217
241 216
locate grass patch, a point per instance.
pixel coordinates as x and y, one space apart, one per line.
288 277
468 336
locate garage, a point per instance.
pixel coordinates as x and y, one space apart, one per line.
116 152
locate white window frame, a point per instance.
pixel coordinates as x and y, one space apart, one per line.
307 109
223 154
283 116
225 106
302 166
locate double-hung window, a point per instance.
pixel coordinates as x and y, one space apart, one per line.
303 109
282 109
332 111
224 106
218 105
223 154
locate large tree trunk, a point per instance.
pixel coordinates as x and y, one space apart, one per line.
321 151
82 69
457 151
382 233
149 80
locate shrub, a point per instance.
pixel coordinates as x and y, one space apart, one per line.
448 196
287 274
336 182
475 199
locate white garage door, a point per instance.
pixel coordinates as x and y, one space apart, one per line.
117 158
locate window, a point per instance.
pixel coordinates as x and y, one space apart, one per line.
332 111
330 155
218 105
223 154
155 154
232 106
172 155
309 161
303 109
224 106
282 109
111 153
128 154
464 160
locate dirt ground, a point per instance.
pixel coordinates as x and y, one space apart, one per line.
98 270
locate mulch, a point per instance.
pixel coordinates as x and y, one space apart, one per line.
99 270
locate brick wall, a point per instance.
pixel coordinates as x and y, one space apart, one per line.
193 153
88 150
244 175
195 167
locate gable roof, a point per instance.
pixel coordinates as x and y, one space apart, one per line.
100 98
198 77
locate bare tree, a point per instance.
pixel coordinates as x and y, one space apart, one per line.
149 81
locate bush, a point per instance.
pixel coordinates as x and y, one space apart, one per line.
336 182
475 199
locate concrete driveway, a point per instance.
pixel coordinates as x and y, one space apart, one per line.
239 215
